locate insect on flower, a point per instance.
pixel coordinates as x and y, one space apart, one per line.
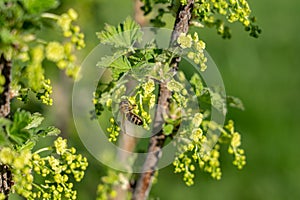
126 108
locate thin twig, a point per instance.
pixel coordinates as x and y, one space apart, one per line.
144 183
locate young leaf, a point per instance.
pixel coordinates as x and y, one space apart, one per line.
196 82
28 145
4 122
235 102
124 35
16 131
35 120
168 129
50 131
3 139
38 6
107 60
118 66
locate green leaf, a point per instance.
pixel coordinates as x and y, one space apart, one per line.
218 101
35 120
197 83
174 86
38 6
168 129
4 122
124 35
235 102
28 145
50 131
3 139
118 66
16 132
106 61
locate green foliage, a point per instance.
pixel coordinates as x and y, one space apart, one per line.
36 6
38 175
45 172
24 130
194 48
207 13
149 6
234 11
113 130
124 35
118 65
20 42
150 66
110 183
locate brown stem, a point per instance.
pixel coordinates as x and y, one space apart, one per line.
5 180
127 143
139 14
5 174
144 183
5 69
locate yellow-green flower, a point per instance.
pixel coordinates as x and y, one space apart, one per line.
236 140
60 145
196 135
73 14
185 41
197 120
200 45
6 155
149 87
55 51
2 196
64 22
37 53
152 101
191 55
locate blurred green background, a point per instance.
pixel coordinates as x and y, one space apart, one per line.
263 72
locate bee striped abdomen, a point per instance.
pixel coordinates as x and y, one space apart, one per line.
133 118
126 108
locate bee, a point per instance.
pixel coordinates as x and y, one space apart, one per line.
126 108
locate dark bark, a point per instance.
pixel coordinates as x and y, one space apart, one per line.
144 183
5 174
6 181
5 68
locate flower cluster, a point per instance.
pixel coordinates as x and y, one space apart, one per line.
179 93
113 130
63 56
20 165
234 147
239 10
195 49
57 170
35 77
45 93
106 190
194 152
233 10
197 143
144 99
65 21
